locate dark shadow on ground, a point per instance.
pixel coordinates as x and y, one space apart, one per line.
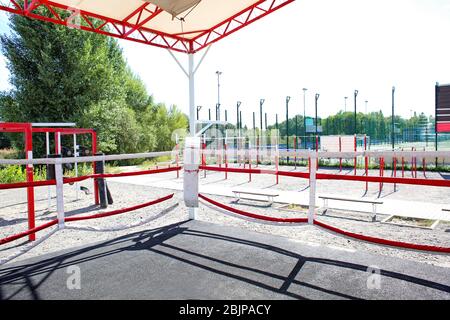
155 241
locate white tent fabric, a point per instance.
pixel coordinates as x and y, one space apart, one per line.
206 14
175 7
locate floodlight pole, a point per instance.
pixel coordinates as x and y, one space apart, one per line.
218 73
317 120
345 104
304 115
355 120
238 105
198 112
261 103
393 119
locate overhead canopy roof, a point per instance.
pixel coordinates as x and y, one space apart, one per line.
180 25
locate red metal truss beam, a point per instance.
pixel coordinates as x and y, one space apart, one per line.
136 31
118 29
240 20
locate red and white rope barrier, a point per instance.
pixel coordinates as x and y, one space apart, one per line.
380 241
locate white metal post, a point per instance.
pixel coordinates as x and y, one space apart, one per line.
75 155
312 189
192 114
59 194
49 190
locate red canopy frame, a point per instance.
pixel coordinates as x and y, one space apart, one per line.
28 130
132 27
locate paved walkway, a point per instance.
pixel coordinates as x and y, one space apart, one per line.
196 260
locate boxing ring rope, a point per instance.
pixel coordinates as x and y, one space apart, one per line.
58 162
313 176
390 243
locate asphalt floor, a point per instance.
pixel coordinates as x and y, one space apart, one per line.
201 261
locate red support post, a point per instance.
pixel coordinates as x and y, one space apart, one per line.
30 178
94 151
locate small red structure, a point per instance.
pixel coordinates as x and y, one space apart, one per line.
28 129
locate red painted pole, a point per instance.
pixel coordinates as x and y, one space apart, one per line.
30 178
94 152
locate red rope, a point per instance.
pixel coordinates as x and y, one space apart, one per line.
386 242
27 233
73 219
20 185
327 176
120 211
252 215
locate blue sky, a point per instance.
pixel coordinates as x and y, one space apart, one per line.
330 47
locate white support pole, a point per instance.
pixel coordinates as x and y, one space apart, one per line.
49 190
312 190
192 114
75 154
59 194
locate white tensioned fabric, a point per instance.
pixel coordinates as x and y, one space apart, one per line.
206 15
347 143
329 143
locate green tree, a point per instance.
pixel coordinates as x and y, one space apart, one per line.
68 75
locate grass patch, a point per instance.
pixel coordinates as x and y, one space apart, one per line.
416 222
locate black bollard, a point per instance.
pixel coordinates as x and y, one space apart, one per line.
51 174
100 169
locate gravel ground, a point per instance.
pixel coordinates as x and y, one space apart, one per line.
13 217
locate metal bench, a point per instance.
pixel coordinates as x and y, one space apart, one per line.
270 195
374 203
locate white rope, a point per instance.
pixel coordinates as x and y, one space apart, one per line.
28 248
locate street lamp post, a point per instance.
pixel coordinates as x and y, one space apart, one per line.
317 119
261 103
238 105
287 124
345 105
218 73
198 112
393 118
355 120
304 115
